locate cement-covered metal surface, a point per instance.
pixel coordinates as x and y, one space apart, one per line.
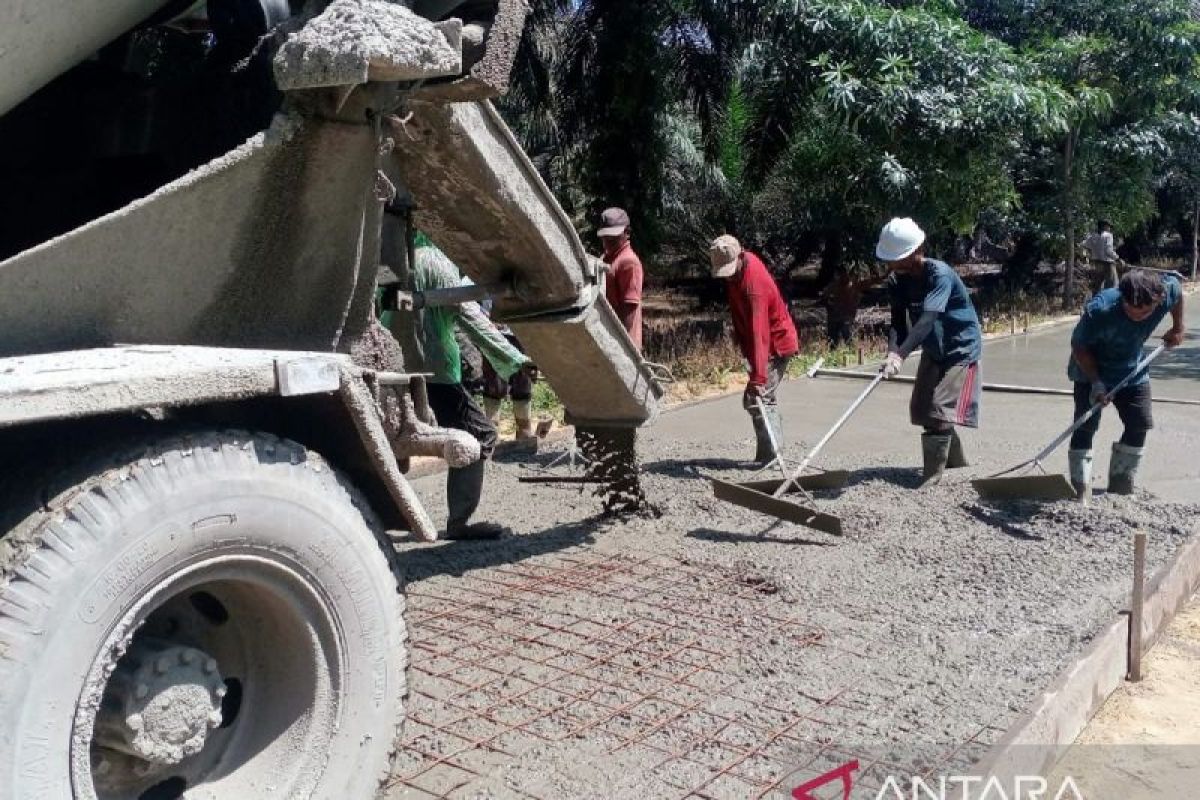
959 611
87 382
483 203
204 259
39 40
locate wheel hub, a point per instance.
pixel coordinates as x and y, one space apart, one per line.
161 703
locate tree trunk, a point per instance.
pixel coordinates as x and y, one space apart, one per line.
1195 238
1069 213
831 257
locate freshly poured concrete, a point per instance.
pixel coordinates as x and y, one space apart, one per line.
957 612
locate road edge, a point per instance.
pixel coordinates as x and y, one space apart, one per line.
1041 735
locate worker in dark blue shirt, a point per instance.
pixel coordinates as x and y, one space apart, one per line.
932 310
1105 347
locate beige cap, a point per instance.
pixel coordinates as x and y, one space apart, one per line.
723 253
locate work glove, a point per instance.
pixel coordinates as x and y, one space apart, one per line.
1099 393
891 365
533 372
751 394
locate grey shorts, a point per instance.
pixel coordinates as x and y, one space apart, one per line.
946 394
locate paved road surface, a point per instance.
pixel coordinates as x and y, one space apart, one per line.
1014 427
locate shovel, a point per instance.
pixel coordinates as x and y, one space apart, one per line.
1045 486
766 497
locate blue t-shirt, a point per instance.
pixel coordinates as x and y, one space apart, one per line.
956 337
1113 338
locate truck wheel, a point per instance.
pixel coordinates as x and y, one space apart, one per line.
216 616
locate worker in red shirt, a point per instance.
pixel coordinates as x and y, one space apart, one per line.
623 284
765 333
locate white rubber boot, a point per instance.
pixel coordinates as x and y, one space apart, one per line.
1081 473
1122 469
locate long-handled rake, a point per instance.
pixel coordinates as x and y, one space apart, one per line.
766 497
1044 486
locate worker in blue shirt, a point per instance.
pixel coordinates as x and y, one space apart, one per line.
1105 348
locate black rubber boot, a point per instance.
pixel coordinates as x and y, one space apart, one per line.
763 452
935 450
464 486
957 458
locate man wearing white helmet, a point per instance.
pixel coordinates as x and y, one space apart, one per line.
932 310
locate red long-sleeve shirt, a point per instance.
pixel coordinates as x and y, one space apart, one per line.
761 319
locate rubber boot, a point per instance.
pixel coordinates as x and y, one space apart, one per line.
775 420
464 487
524 420
1081 473
1122 469
935 450
957 458
491 407
764 453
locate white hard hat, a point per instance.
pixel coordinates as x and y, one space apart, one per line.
899 239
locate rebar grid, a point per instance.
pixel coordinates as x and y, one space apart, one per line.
496 672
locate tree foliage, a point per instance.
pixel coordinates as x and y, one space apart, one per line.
799 124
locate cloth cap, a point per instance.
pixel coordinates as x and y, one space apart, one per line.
723 253
899 239
613 222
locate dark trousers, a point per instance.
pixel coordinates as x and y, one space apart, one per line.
519 387
777 367
454 407
1134 405
1104 275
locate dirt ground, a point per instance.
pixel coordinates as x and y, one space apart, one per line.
1145 741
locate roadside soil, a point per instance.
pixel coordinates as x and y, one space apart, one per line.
1144 743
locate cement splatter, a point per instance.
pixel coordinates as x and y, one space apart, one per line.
353 41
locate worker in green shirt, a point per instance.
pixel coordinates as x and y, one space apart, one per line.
452 404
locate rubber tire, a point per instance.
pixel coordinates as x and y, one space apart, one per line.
53 563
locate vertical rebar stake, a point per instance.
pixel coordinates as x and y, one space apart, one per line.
1135 606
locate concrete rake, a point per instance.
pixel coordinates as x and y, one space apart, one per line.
767 497
1044 486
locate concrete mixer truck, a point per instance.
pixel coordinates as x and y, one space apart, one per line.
203 428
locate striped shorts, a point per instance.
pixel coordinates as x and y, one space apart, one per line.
946 393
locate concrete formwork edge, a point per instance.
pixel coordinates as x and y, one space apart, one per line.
1038 739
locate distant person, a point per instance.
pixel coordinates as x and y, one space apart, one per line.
765 333
842 298
452 404
1105 347
1102 257
931 309
623 283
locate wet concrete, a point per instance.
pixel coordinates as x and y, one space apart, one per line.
941 616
